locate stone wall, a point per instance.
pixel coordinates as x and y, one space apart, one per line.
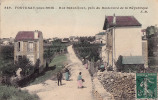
120 85
99 92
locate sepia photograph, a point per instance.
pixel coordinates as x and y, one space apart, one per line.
78 49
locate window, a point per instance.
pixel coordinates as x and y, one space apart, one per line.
19 58
18 46
30 46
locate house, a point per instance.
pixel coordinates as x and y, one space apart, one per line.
123 38
29 44
100 38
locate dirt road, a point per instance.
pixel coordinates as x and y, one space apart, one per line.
69 90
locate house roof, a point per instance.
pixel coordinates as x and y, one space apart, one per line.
26 35
132 60
121 21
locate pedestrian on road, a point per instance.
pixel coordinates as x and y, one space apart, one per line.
80 80
59 77
67 74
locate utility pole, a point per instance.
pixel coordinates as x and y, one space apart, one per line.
113 47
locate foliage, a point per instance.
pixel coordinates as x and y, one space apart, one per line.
4 66
25 65
151 30
36 66
7 52
55 47
9 70
59 61
12 93
87 39
152 61
152 33
119 64
87 50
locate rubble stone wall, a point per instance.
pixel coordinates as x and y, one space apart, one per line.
120 85
99 92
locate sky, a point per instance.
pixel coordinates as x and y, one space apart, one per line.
70 22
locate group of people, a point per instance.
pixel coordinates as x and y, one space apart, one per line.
60 76
80 80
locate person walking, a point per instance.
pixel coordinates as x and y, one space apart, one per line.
59 77
80 80
67 74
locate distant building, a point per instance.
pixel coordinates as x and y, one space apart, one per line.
7 41
29 44
65 40
73 39
100 38
55 38
123 38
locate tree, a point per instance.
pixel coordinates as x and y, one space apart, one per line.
119 64
25 65
151 30
7 52
36 67
9 70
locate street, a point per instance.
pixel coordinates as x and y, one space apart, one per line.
49 90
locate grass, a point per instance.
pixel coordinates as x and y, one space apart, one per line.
59 61
12 93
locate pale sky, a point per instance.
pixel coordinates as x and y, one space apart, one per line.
65 23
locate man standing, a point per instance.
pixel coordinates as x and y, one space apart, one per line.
59 77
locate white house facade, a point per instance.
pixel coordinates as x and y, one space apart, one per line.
124 38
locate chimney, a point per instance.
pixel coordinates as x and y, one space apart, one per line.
114 19
36 34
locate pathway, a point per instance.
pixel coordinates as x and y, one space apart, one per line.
68 91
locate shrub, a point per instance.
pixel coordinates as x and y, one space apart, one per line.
7 52
25 65
119 65
8 70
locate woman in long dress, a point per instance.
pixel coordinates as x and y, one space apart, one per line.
67 74
79 79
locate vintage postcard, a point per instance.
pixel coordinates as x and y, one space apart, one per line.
78 49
